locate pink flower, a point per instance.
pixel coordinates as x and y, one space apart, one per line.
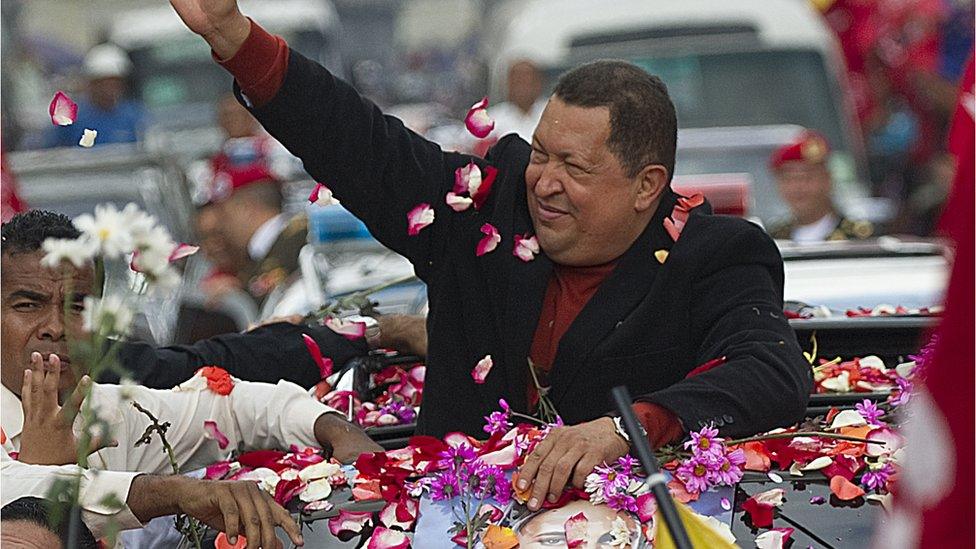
419 217
384 538
729 470
481 369
869 411
347 329
576 530
458 203
697 473
477 120
490 240
348 523
324 363
63 110
212 432
877 479
705 441
526 247
321 196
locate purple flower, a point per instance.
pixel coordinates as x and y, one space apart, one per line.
869 411
924 358
444 486
877 479
504 405
904 392
729 470
627 464
611 480
698 473
455 456
404 412
705 441
622 501
497 423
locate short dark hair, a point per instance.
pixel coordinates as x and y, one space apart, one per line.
26 231
40 512
643 122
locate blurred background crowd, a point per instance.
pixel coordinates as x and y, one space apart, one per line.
821 119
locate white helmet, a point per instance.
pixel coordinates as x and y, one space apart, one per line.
105 61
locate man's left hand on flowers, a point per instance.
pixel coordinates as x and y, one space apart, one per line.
569 453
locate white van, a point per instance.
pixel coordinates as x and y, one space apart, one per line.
730 65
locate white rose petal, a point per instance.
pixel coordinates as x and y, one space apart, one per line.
316 490
322 469
848 418
88 139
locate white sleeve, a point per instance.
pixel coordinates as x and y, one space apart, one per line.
24 480
253 416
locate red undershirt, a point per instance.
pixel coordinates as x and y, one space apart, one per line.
259 67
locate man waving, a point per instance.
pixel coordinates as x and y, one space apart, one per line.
572 252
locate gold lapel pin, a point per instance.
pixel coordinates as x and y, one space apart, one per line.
661 255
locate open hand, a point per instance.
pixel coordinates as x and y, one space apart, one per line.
219 22
568 453
47 437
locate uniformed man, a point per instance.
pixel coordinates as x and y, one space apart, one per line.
805 184
249 201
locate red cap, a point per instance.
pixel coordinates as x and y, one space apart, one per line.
240 165
809 147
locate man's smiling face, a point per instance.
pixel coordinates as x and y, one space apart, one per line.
33 314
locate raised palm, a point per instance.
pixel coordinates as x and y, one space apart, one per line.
204 17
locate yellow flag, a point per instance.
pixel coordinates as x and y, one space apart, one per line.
699 532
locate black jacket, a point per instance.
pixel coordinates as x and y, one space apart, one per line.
269 354
718 294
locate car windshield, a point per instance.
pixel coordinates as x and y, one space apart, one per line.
777 87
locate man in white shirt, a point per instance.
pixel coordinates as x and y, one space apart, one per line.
805 183
128 484
521 113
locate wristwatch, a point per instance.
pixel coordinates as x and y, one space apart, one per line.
372 329
618 427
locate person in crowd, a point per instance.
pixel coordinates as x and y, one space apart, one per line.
268 353
105 109
805 184
525 104
26 524
629 283
39 444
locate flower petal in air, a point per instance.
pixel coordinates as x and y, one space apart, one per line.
477 120
212 432
88 138
182 250
321 196
481 369
419 217
63 110
844 489
526 247
490 240
348 523
348 329
324 363
458 203
384 538
576 529
774 539
467 179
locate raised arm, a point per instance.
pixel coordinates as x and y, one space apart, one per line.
375 166
268 353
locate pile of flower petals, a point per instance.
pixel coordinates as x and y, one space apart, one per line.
863 375
302 472
396 405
